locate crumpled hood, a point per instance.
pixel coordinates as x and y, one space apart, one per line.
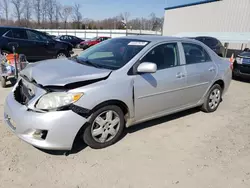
60 72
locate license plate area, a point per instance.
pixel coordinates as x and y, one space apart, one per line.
10 122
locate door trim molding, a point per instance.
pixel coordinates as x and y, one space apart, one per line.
169 91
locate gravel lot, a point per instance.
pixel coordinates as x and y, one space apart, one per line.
190 149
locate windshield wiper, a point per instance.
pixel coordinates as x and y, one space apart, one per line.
86 62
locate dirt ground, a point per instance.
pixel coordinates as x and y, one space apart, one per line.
190 149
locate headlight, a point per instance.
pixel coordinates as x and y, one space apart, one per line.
239 60
57 99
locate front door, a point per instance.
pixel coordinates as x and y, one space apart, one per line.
201 71
159 92
44 47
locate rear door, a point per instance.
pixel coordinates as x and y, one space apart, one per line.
201 71
19 36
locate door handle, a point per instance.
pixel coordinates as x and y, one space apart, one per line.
211 69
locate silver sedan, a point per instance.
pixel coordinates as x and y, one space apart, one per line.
115 84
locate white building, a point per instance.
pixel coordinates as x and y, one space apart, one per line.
227 20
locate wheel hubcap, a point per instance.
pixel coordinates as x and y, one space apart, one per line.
5 54
214 98
61 55
105 126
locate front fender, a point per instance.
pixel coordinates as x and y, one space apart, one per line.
106 90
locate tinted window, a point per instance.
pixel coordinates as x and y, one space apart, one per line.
3 30
195 53
112 54
63 37
19 34
33 35
9 34
70 38
44 37
210 42
164 56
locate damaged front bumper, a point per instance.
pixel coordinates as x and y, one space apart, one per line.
55 130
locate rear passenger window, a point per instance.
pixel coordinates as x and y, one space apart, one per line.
3 31
19 34
195 54
9 34
164 56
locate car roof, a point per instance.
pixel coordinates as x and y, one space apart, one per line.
208 37
13 27
155 38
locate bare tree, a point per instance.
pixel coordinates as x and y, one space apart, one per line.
18 9
5 8
126 16
57 13
37 4
66 12
51 10
44 11
27 12
77 15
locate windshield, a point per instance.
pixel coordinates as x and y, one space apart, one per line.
112 54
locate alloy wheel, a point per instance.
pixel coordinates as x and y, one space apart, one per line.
214 98
105 126
61 55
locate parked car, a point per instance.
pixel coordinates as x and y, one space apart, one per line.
113 85
75 41
241 68
34 44
86 44
213 43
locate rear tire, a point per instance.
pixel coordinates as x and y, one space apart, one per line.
5 53
62 54
3 82
104 127
213 99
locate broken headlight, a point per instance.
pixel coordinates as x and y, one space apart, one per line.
55 100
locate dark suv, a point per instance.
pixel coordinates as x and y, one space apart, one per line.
214 44
34 44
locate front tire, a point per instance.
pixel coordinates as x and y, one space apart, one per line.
104 127
213 99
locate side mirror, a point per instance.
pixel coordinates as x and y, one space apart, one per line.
147 67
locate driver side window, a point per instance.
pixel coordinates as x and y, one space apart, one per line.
164 56
33 36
